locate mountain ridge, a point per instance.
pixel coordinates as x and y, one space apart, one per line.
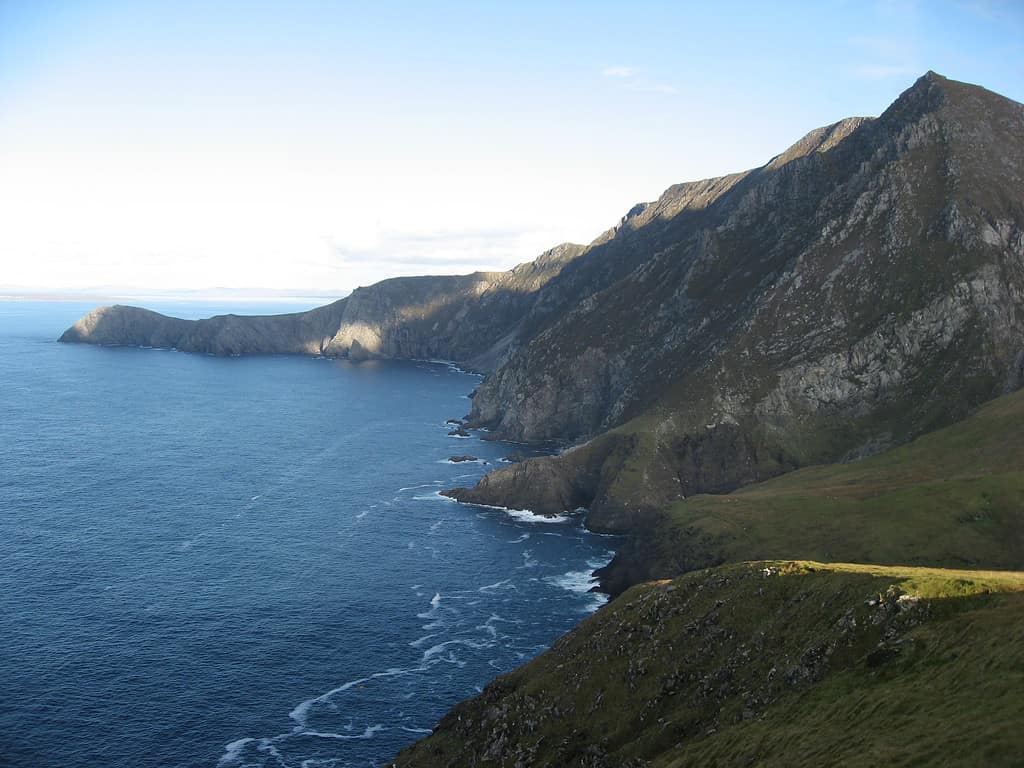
841 303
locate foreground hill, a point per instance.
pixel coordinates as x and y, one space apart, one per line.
771 663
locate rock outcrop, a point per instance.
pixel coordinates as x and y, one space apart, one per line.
863 287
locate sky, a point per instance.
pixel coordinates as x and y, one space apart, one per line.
311 147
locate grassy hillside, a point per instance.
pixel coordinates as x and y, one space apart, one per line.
767 663
952 498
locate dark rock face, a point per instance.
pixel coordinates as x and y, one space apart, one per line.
862 288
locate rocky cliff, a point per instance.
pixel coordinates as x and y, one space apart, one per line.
861 288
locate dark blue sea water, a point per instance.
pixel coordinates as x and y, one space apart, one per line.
209 561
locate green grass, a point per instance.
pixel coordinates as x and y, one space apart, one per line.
790 663
953 498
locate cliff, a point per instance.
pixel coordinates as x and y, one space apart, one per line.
860 289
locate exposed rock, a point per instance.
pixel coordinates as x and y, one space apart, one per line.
862 288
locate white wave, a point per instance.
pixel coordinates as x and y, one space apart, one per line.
368 733
301 712
522 538
528 561
362 514
461 437
503 584
407 729
435 496
419 643
526 516
434 650
436 524
490 629
257 496
233 752
580 582
435 600
601 562
421 485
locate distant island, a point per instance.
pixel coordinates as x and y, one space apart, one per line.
856 302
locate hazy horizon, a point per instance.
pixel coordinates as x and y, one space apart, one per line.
310 149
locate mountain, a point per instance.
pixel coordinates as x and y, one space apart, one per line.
759 654
860 289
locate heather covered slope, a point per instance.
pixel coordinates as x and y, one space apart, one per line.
774 663
865 287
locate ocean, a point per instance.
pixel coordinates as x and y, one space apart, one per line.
245 561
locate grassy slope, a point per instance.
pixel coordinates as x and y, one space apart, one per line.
791 662
952 498
777 663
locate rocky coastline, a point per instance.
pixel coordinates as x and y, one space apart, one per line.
811 360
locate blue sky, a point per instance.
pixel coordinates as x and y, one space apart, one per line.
324 145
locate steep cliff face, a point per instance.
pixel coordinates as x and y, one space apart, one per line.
470 318
860 235
863 287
